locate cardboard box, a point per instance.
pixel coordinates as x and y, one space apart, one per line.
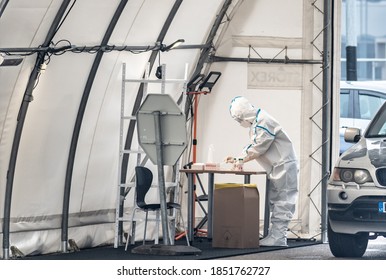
236 216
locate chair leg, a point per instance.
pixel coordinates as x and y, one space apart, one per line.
127 243
131 239
186 232
144 231
157 218
172 227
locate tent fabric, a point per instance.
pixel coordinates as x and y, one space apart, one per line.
85 43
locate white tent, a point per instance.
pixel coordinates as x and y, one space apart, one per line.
60 97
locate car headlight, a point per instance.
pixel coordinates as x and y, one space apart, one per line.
359 176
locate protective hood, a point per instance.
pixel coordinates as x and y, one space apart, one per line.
242 111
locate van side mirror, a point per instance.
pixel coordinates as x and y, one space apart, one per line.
352 135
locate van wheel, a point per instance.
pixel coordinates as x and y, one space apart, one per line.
347 245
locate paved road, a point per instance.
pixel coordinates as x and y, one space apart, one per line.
376 250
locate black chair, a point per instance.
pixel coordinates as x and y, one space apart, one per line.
144 179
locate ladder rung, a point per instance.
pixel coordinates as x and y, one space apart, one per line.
129 117
133 151
127 185
170 184
137 219
132 185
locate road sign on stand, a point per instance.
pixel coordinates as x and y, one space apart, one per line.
161 128
172 124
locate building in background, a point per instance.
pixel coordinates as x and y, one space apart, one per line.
371 39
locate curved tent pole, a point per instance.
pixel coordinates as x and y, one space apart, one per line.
20 123
207 51
78 124
137 103
3 4
139 96
206 55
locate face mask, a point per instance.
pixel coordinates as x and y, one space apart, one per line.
245 124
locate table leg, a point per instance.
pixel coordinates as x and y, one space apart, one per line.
210 204
247 179
190 207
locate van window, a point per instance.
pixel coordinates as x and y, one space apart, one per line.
369 105
378 126
344 104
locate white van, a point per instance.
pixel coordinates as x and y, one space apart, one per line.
356 191
359 101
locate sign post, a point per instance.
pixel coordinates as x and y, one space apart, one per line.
162 135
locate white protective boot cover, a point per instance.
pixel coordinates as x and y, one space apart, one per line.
277 236
282 198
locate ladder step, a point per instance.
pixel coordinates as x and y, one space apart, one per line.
127 185
129 117
170 184
133 151
132 185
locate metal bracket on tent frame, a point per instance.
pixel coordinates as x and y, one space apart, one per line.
286 59
249 59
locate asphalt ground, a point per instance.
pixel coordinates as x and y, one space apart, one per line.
376 250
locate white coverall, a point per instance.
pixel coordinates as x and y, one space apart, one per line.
271 147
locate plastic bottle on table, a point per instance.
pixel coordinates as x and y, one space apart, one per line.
240 164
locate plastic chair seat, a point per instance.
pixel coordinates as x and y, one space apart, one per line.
203 197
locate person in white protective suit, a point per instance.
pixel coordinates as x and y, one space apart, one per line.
272 148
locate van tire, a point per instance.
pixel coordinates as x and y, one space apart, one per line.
347 245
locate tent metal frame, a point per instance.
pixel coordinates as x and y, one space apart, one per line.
19 127
326 109
207 52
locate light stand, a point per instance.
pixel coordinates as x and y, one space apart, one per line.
204 87
197 86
